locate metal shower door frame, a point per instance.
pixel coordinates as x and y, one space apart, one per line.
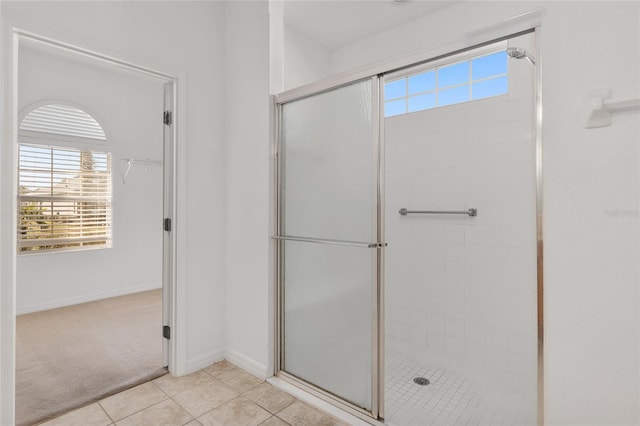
377 335
530 25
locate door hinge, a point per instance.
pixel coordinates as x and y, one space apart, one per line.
166 332
167 224
167 118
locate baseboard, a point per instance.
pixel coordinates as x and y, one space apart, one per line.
230 355
246 363
205 360
60 303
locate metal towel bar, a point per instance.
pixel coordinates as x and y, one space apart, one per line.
471 212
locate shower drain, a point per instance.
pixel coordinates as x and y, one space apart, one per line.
421 381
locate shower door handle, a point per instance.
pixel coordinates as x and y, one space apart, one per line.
471 212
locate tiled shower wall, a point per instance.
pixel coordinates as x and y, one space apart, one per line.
461 291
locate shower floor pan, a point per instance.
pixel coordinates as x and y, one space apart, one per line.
450 399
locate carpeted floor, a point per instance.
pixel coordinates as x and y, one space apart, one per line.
68 357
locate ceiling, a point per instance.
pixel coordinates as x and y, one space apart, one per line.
336 23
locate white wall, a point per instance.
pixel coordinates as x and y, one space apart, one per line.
7 244
591 256
185 39
128 108
591 183
305 60
440 31
248 297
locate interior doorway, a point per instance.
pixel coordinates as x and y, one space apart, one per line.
94 257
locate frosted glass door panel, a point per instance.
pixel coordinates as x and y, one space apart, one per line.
328 193
327 318
327 156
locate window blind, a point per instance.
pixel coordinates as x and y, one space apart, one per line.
64 198
62 120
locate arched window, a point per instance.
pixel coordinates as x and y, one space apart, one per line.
64 181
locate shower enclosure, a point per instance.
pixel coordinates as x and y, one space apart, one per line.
408 239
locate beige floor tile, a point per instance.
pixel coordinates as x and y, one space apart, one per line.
132 400
239 380
237 412
91 415
202 398
301 414
271 398
194 423
166 413
274 421
220 367
172 385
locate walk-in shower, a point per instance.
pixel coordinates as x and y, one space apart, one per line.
407 239
460 283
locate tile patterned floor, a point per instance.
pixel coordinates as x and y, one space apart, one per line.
451 399
219 395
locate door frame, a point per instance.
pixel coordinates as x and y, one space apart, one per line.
524 24
174 349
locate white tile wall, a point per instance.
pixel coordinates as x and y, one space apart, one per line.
463 289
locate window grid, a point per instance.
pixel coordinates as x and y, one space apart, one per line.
437 89
64 198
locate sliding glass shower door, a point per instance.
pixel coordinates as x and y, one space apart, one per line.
328 241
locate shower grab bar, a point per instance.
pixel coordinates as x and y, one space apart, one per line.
326 241
471 212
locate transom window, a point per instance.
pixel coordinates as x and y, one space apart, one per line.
64 181
476 78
